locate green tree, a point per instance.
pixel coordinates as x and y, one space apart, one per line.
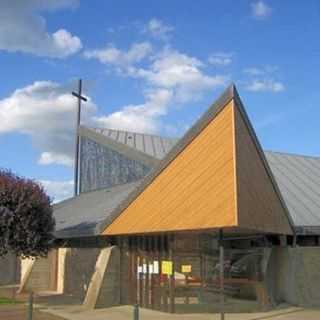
26 220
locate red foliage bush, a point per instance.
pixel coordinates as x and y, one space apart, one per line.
26 221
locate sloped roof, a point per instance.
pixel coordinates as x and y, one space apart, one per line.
298 178
80 216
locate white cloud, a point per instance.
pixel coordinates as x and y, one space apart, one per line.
265 85
260 9
47 158
158 29
22 29
171 78
220 59
139 118
180 72
268 121
58 190
45 111
263 79
254 71
113 56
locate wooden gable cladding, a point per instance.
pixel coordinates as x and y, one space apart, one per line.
196 190
259 203
216 178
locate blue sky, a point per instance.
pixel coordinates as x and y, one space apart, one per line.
152 67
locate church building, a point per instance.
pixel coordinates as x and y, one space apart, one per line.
175 224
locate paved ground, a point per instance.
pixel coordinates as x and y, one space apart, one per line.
19 312
126 313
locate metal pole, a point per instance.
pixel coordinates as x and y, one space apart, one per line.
221 262
80 98
136 312
30 306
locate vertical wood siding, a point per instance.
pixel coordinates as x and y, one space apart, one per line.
195 191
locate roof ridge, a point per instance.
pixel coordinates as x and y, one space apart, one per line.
123 148
133 132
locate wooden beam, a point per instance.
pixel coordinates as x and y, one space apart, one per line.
172 279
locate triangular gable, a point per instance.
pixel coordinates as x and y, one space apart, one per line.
259 202
195 187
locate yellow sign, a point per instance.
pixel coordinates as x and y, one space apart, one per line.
186 268
166 267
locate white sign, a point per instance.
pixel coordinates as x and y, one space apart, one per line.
155 267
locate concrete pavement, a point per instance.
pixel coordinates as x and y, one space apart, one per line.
126 313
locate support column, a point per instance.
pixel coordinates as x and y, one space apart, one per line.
221 263
158 282
147 273
140 265
164 278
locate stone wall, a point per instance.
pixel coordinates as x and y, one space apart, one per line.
9 269
294 276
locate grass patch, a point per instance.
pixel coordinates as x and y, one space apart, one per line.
7 301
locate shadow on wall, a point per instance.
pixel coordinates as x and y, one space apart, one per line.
294 276
79 268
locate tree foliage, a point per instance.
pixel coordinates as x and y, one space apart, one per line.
26 221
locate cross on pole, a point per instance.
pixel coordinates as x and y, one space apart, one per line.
80 98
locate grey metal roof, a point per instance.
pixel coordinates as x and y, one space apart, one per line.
79 216
152 145
298 178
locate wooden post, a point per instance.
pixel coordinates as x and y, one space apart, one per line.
158 283
164 277
152 285
134 270
140 273
147 275
172 279
221 263
120 242
187 289
294 240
